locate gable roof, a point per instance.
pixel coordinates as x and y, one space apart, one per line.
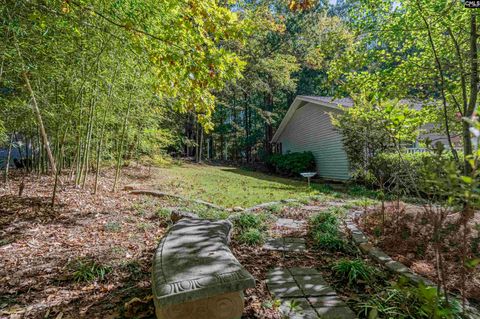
301 100
331 102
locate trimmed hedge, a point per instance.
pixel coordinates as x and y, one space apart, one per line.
291 164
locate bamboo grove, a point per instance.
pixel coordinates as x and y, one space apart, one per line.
87 83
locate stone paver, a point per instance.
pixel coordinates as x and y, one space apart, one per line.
298 308
274 244
290 223
304 294
287 244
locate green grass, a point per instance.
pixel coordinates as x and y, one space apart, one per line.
89 270
353 271
230 187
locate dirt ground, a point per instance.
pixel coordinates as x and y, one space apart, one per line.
408 238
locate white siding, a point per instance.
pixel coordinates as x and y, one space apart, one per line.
311 129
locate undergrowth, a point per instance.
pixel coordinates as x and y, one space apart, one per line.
353 272
251 228
325 232
404 301
85 270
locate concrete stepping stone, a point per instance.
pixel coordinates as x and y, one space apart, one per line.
304 294
290 223
287 244
297 308
274 244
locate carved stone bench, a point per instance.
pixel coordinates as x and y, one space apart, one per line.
195 275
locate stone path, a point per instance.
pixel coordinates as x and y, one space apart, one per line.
287 244
304 294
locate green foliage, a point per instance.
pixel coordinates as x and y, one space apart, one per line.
329 241
353 272
324 188
163 213
407 172
286 56
251 228
3 132
373 127
361 191
448 182
89 270
113 79
275 209
292 164
325 232
113 226
404 302
325 221
251 237
246 221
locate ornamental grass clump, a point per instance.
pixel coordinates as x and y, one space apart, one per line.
353 272
325 232
251 228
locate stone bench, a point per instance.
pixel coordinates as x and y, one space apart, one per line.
195 275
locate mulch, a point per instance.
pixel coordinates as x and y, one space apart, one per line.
408 238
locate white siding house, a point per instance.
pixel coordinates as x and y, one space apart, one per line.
307 126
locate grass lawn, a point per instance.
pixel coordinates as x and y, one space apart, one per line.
229 186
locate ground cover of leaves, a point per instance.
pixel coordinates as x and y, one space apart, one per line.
41 248
407 238
41 245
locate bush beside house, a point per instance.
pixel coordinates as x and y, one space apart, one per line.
291 164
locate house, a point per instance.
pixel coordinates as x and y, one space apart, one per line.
307 126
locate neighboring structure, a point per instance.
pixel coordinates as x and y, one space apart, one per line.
307 126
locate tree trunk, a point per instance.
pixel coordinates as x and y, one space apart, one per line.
268 125
7 164
200 146
120 148
88 142
36 111
467 142
99 151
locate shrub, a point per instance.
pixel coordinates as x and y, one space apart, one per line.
291 164
404 173
361 191
353 271
252 237
324 188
